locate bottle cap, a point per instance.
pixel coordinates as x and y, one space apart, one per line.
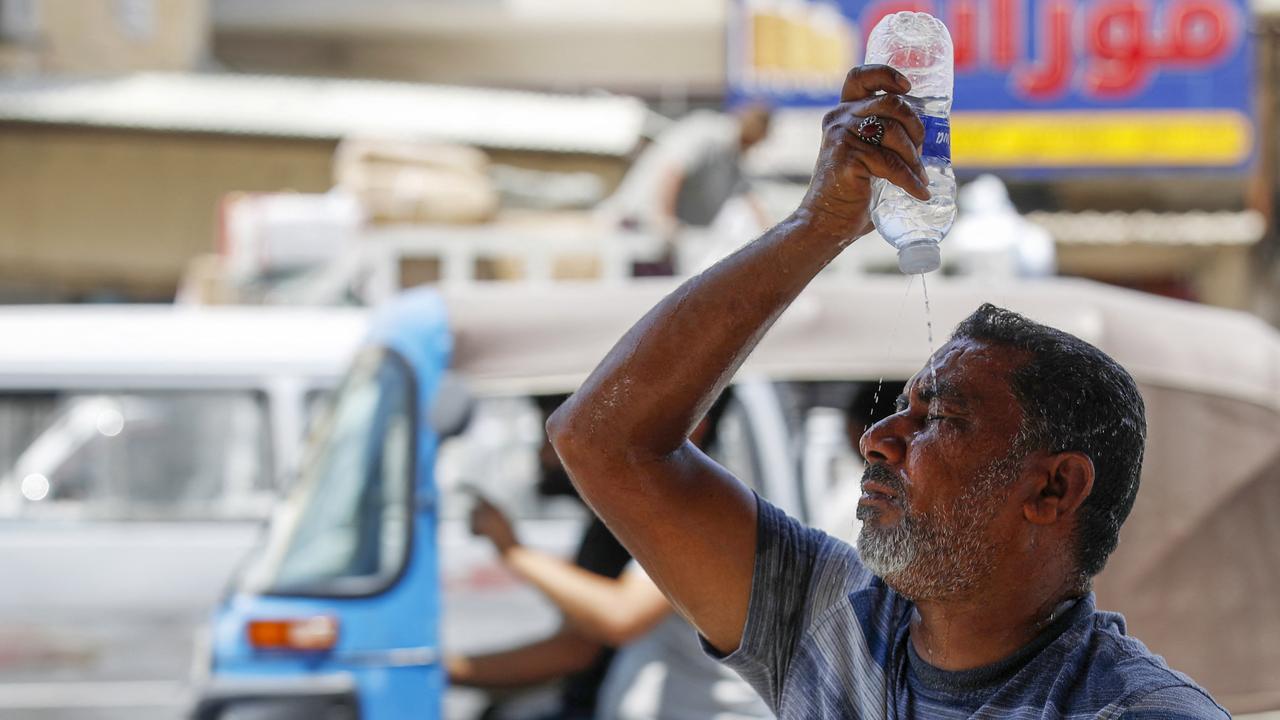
919 258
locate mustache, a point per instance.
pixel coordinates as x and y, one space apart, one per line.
881 474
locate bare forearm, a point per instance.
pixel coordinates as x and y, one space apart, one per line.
596 606
623 435
656 383
564 653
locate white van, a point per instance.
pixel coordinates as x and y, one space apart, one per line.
124 428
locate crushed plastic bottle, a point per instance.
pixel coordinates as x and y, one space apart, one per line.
919 46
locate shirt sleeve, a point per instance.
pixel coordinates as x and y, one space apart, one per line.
800 572
1178 702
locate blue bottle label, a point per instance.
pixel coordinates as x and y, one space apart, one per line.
937 137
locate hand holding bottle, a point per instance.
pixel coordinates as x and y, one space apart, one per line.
839 196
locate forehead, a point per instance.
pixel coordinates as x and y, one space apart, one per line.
970 372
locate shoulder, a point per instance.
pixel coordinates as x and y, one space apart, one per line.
1175 702
1137 681
841 594
784 542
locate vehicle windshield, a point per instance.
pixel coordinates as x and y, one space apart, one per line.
345 527
162 455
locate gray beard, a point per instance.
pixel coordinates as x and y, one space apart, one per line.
943 554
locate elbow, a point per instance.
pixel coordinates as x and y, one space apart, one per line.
559 426
617 634
569 436
589 445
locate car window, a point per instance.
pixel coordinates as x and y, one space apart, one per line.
345 527
136 455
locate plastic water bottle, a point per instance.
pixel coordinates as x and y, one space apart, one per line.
919 46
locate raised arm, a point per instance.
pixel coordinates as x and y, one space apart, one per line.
624 435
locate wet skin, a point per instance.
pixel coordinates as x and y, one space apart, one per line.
944 433
943 437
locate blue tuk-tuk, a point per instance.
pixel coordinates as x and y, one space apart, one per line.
337 616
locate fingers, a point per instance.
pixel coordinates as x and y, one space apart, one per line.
897 142
897 158
893 106
865 81
889 165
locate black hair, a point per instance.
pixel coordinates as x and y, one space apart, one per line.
1074 397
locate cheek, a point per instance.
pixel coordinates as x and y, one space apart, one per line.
936 445
940 466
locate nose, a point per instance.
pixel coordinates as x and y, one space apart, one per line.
882 443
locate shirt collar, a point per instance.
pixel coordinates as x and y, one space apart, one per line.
989 676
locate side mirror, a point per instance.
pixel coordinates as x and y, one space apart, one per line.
452 406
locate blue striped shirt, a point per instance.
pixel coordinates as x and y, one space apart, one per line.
825 638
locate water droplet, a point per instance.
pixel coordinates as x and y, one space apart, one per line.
875 397
928 322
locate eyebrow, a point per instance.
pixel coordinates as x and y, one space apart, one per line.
940 389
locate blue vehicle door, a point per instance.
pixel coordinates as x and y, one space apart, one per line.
341 608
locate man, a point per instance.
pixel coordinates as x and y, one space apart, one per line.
691 175
714 169
990 499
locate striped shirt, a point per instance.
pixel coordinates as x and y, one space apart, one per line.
825 638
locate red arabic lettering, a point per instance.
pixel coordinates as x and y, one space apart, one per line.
964 33
1051 75
1123 43
1201 31
1006 37
1116 41
1126 51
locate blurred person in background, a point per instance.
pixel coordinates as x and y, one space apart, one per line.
579 663
688 173
659 673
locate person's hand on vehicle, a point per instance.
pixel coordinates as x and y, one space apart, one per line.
839 197
490 522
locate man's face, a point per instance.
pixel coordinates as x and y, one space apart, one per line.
936 508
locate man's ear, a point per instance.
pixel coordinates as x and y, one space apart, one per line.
1063 483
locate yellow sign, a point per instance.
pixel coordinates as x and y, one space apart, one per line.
1101 139
798 47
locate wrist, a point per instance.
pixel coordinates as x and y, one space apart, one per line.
506 548
828 224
